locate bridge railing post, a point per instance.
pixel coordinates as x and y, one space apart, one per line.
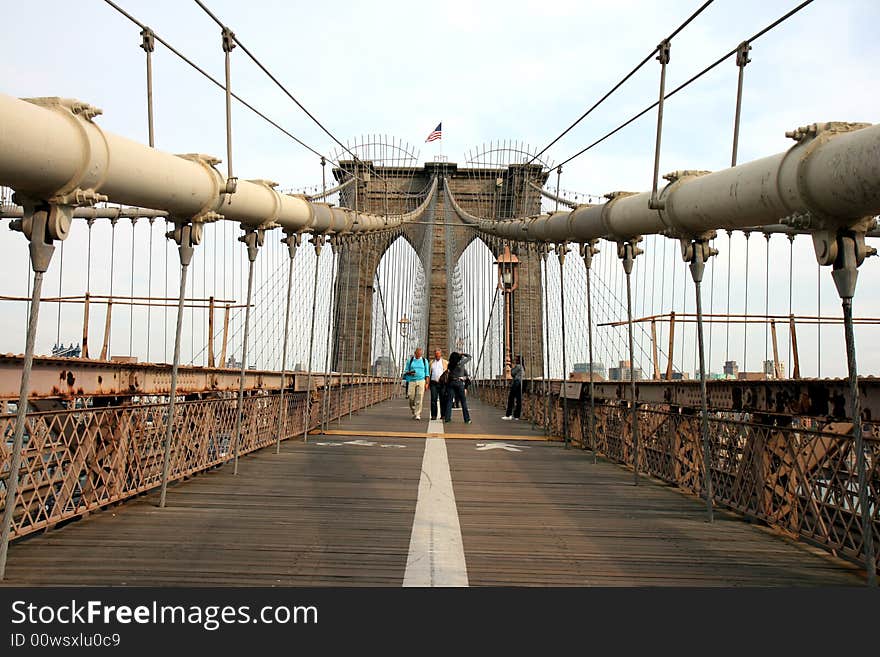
42 224
845 250
187 235
696 252
291 240
253 239
627 252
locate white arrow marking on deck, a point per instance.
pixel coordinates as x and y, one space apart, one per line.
360 443
436 551
482 447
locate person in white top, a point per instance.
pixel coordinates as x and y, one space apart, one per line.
438 389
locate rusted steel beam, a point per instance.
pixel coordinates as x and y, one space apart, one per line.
671 346
211 362
69 378
796 361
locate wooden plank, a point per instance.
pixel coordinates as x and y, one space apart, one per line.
341 514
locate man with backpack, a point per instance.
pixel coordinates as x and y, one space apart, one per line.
417 373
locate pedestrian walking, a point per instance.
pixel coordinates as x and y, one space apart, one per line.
458 375
438 384
514 397
417 373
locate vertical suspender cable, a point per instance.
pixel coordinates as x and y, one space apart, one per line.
790 312
698 251
85 342
742 58
357 305
250 238
228 42
589 250
767 306
562 249
746 307
325 419
183 236
60 293
547 425
729 261
291 241
627 251
41 255
318 242
131 288
663 49
152 221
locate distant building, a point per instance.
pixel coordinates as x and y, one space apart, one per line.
681 376
625 372
384 366
61 351
731 369
771 368
584 368
233 364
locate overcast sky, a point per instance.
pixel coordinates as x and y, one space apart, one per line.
488 70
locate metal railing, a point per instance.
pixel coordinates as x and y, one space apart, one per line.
76 461
797 474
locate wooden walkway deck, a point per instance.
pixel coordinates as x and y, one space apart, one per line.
339 509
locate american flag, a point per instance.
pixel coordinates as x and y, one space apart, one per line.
434 135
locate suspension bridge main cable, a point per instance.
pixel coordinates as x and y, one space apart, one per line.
620 83
685 84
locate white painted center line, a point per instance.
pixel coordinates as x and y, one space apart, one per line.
436 551
435 426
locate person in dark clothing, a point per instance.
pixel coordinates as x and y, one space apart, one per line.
455 386
514 397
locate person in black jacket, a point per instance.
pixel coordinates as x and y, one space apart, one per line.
514 397
455 386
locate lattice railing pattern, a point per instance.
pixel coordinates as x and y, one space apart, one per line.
799 477
76 461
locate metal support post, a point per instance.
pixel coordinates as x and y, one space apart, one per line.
696 252
627 252
253 239
42 225
318 242
845 251
186 235
663 49
228 42
588 250
292 241
561 250
328 377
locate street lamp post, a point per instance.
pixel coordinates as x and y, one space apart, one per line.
403 325
508 281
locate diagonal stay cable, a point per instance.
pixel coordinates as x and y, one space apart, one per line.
694 78
217 82
285 90
622 81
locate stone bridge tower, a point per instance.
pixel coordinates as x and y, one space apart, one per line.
500 193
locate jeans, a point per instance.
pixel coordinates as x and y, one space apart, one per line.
455 390
438 399
514 399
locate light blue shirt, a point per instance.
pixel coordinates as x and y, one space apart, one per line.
419 366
